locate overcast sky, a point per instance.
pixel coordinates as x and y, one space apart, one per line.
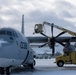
59 12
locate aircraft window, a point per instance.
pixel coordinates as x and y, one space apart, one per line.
9 33
15 35
2 33
11 38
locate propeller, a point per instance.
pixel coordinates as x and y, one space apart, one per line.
52 40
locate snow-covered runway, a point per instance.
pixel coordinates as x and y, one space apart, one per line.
47 67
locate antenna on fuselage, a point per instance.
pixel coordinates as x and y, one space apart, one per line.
22 29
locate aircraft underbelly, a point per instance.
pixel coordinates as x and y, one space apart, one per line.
5 62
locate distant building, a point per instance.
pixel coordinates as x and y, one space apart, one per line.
46 55
58 53
39 56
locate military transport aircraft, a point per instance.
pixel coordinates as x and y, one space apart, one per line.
15 47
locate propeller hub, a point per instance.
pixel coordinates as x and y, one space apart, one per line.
51 42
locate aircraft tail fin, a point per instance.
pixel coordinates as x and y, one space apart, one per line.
22 29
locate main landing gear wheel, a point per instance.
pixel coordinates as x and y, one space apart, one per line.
32 65
34 62
4 71
60 63
1 70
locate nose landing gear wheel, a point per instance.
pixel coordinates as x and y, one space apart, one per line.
1 70
7 71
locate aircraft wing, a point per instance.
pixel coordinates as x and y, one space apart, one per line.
61 39
61 28
37 39
44 39
44 42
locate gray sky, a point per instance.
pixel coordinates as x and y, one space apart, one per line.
60 12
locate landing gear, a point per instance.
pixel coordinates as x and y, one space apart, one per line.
7 71
32 65
1 70
4 71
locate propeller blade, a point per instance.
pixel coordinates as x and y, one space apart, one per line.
52 29
43 45
52 45
53 49
60 43
61 34
44 35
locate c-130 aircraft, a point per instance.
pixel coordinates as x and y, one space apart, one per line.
15 48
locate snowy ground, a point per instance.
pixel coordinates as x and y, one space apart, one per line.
47 67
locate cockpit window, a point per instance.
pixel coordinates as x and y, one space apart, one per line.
2 32
9 33
12 34
15 35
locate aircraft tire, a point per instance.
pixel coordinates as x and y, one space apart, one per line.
7 71
1 70
34 62
32 65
